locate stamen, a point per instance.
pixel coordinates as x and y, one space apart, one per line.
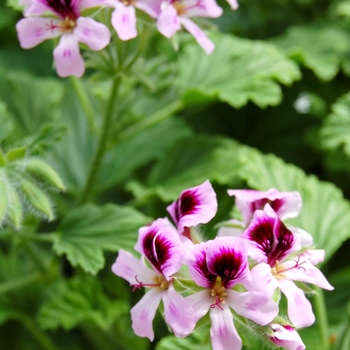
217 303
162 283
276 270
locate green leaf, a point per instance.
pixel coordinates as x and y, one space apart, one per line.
325 213
335 131
89 230
236 72
121 161
320 48
194 160
3 200
32 101
78 300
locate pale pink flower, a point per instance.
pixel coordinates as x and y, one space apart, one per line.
124 16
161 245
67 23
196 205
275 247
218 266
286 337
177 13
286 204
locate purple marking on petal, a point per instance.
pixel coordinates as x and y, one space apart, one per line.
186 204
64 8
272 237
201 267
229 265
260 203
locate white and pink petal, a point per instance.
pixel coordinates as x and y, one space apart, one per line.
68 58
178 313
94 34
142 314
124 21
286 337
33 31
168 22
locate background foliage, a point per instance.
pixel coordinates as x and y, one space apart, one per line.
269 108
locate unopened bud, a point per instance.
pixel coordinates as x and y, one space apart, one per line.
15 209
44 171
285 336
37 198
16 153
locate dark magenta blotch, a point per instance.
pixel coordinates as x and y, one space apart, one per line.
187 204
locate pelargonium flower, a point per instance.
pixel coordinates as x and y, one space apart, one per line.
196 205
275 247
160 244
286 204
124 16
286 337
218 266
177 13
68 23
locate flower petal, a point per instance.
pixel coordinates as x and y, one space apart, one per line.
124 21
195 259
151 7
161 244
299 308
286 204
168 22
234 4
256 306
206 44
35 8
200 302
67 57
131 269
196 205
315 256
33 31
142 314
262 280
94 34
222 331
303 270
202 8
178 313
227 257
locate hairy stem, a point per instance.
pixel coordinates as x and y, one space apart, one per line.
103 141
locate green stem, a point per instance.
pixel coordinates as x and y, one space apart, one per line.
322 321
141 47
104 138
37 333
19 283
84 101
35 258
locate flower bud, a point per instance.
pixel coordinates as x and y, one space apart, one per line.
285 336
15 209
43 171
37 198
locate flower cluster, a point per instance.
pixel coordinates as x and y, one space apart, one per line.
240 273
49 19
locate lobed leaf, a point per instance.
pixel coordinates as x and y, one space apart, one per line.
87 231
78 300
236 72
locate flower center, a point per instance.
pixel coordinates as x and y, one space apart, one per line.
159 282
67 25
180 8
128 2
218 293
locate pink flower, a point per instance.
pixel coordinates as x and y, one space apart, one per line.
217 266
66 23
286 337
162 247
177 12
124 16
274 246
286 204
196 205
